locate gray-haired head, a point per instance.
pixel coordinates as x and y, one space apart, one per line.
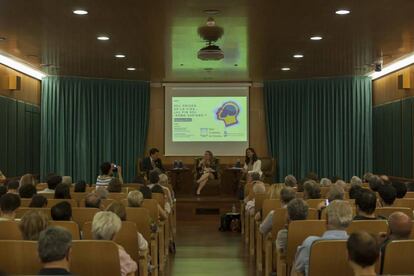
336 192
54 244
311 189
325 182
259 187
287 194
355 180
105 225
367 176
339 215
297 209
290 181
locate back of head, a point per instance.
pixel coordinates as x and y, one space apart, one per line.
80 187
67 180
135 199
366 201
335 192
105 168
105 225
367 177
259 187
400 188
355 191
3 190
62 211
290 181
115 186
54 244
363 249
153 151
154 177
32 223
9 203
341 183
375 182
355 180
297 209
325 182
26 179
38 201
387 193
311 189
101 192
27 191
146 192
13 185
312 176
339 214
287 194
118 209
157 189
92 200
53 181
400 225
163 179
62 191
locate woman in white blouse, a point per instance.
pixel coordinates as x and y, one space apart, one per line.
252 163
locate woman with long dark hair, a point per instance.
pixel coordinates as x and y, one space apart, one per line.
206 169
252 163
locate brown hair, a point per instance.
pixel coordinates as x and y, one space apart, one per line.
32 223
118 209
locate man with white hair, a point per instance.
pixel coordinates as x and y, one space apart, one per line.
339 216
355 180
325 182
290 181
258 188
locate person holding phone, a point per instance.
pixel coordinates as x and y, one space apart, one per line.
108 170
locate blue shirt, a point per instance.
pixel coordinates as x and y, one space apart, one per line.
302 255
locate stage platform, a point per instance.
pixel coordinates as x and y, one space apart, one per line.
204 207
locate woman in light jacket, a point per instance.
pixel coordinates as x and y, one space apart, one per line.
252 163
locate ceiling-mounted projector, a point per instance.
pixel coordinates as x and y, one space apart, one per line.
210 52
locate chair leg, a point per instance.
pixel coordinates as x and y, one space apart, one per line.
143 264
268 255
161 255
242 217
251 234
154 254
259 247
246 227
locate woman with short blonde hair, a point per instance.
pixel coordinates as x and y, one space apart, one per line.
32 223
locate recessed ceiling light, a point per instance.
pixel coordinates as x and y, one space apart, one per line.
131 68
80 12
316 37
298 56
211 11
120 56
342 12
103 37
285 69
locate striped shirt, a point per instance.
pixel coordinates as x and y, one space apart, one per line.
103 180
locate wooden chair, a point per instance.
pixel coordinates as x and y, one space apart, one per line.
102 258
278 223
52 202
117 196
404 202
82 215
9 230
269 205
25 202
159 198
78 196
22 210
314 202
104 203
19 257
299 194
328 258
409 195
47 195
71 226
324 191
371 226
398 258
387 211
313 213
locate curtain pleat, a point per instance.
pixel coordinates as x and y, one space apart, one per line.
320 125
85 122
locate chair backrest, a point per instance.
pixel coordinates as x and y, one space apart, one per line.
78 196
404 202
298 231
371 226
313 213
22 210
117 196
141 217
25 202
52 202
19 257
314 202
398 258
71 226
269 205
412 232
409 195
387 211
9 230
159 198
152 206
324 191
299 194
104 203
278 221
48 195
329 257
95 258
258 201
82 215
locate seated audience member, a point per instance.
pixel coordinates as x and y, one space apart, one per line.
387 195
54 250
367 177
312 176
13 187
311 190
107 170
8 205
105 225
27 179
3 190
251 179
52 182
164 184
119 209
102 192
146 192
363 253
135 199
338 218
62 191
325 182
297 209
38 201
152 162
290 181
92 200
375 182
355 180
80 187
67 180
336 192
115 186
153 178
62 211
400 188
258 188
286 195
341 183
366 204
27 191
399 228
32 223
355 191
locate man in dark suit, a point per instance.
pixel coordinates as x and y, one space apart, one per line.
152 162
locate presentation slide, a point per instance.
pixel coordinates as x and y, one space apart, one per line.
209 119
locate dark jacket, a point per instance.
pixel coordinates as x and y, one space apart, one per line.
147 165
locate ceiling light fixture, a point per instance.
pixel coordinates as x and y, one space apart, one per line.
80 12
342 12
18 66
316 37
103 37
393 66
285 69
298 56
131 68
120 56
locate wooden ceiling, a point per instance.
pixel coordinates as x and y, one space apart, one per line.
159 37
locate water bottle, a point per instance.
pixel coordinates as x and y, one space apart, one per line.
233 208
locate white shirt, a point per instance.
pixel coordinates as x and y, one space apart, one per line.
257 167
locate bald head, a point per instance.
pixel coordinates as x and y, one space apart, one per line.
400 225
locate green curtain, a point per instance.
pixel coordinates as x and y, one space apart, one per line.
20 137
393 138
320 125
85 122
